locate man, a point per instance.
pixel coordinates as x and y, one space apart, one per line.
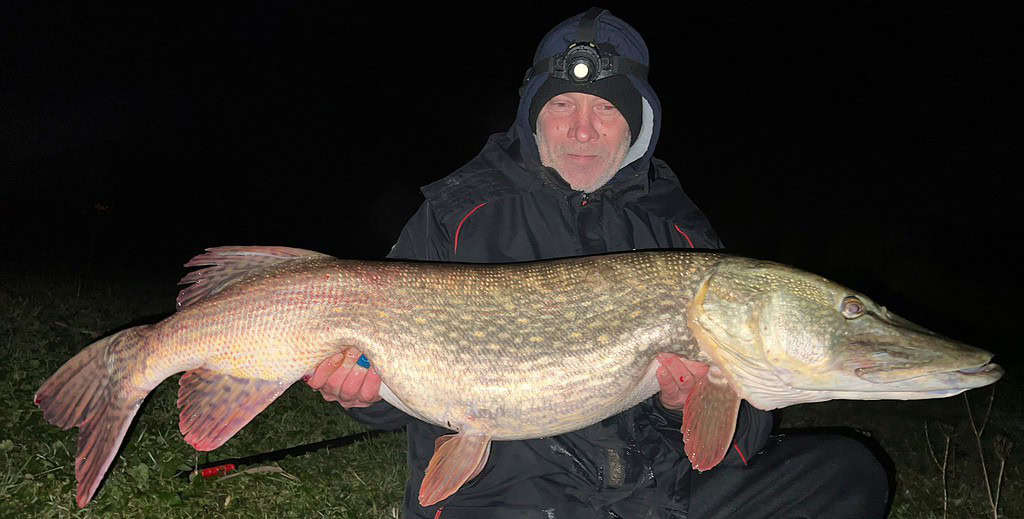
574 176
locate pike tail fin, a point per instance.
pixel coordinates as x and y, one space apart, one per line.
90 392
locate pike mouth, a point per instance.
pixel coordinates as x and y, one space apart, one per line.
920 377
986 368
910 361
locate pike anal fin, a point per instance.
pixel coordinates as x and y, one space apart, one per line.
457 459
214 406
709 420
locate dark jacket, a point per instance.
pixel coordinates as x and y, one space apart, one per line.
503 206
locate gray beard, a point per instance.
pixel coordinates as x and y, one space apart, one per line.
605 175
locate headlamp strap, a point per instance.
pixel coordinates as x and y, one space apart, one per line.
588 24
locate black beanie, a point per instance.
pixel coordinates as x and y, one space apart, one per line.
617 90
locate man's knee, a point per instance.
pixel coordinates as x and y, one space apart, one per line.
818 475
856 478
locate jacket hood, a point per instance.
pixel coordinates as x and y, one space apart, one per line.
628 43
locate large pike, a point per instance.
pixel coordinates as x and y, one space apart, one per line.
501 352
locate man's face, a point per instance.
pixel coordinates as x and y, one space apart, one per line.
583 137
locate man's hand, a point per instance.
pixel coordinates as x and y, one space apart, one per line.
341 380
677 377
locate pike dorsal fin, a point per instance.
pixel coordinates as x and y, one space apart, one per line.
457 459
709 420
229 265
214 406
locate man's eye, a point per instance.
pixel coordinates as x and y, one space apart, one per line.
606 108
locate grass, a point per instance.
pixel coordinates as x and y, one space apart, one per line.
898 429
45 318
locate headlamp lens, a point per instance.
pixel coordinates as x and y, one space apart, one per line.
580 70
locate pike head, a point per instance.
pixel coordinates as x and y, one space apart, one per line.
783 336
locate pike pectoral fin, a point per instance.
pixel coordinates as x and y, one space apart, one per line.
457 459
709 420
214 406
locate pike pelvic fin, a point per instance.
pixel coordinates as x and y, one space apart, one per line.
229 265
457 459
85 393
709 420
214 406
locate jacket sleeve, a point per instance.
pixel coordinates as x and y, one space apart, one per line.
752 429
422 238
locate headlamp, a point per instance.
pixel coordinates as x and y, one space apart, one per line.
584 60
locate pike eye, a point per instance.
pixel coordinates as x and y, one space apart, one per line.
851 307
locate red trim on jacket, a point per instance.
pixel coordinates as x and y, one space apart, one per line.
688 240
738 451
459 228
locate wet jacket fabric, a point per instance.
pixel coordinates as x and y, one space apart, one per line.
504 206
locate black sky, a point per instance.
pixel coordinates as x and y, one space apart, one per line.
877 145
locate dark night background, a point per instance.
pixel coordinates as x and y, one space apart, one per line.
876 145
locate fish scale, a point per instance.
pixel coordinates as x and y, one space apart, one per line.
501 352
514 371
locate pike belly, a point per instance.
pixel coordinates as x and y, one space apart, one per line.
532 410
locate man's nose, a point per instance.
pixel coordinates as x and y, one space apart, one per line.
583 129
